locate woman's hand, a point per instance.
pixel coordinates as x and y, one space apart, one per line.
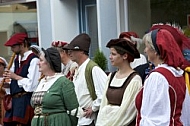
7 75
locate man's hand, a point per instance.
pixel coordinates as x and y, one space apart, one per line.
88 112
10 75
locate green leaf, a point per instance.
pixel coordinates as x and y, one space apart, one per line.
100 59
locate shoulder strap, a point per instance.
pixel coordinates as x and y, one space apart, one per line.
128 79
111 77
165 72
89 79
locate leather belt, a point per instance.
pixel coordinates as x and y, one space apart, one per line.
20 94
45 116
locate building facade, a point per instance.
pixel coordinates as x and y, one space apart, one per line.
51 20
101 19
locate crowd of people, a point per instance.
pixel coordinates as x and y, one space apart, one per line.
62 86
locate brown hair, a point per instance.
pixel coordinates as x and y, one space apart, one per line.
122 51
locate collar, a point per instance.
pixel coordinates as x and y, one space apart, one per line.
46 78
26 54
176 72
83 65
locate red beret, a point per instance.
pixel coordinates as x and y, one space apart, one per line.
17 38
128 35
59 44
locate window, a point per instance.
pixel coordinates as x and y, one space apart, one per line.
88 22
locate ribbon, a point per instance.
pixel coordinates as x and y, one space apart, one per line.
187 71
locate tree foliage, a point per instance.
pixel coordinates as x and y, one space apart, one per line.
100 59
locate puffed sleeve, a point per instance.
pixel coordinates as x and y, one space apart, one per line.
99 78
155 110
69 95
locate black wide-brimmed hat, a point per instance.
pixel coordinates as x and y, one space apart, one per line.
53 58
129 47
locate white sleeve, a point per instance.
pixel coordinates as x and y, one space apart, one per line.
155 110
31 81
143 59
99 79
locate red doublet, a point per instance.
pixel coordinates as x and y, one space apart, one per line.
177 95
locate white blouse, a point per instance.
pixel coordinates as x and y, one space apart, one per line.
114 115
155 112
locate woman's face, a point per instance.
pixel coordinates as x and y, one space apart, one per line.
151 53
43 64
115 58
2 68
64 57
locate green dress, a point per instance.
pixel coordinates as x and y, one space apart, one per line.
54 104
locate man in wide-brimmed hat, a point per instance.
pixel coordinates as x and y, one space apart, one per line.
89 94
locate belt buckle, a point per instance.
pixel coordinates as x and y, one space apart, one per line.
19 95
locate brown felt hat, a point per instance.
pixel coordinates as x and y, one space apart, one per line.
80 42
126 45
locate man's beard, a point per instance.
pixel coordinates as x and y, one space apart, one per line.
17 53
